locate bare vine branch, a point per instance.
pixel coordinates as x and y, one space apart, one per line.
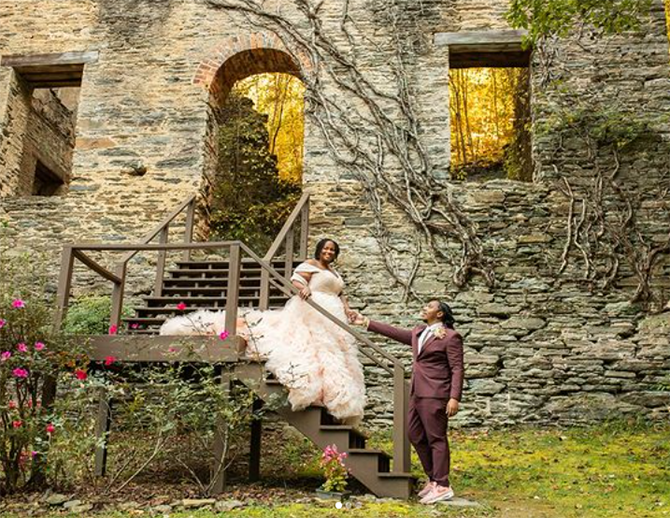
375 132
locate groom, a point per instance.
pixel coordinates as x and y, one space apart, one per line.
436 386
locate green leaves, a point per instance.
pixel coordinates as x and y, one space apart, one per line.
543 18
251 201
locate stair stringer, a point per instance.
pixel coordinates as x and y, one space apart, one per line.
364 464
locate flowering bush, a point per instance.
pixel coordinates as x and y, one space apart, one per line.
332 463
33 359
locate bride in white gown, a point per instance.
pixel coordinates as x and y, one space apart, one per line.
313 358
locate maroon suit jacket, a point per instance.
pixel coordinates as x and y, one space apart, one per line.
438 369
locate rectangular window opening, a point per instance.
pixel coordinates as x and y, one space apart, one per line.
46 182
489 104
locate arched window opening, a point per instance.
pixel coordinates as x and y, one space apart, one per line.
258 148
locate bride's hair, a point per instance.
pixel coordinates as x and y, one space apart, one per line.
322 243
447 316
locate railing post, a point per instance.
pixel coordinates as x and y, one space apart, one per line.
264 297
64 285
188 231
233 291
288 249
117 296
160 264
401 451
304 231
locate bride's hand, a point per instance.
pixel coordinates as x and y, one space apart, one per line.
351 315
359 319
305 293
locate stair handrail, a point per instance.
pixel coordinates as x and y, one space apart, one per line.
286 237
401 452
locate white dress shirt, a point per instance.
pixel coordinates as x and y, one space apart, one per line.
425 334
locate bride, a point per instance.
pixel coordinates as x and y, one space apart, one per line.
313 358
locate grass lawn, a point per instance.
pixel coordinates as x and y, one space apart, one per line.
615 470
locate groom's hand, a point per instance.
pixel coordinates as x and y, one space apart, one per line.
452 407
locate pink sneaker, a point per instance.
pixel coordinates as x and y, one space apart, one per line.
426 489
438 494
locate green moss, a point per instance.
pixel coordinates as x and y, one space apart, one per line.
611 471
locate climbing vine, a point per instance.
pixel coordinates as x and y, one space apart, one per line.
608 204
373 130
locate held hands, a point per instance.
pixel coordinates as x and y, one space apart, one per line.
351 315
357 319
452 407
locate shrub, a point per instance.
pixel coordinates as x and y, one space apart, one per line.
90 315
33 359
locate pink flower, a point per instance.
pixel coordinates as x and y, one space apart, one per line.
12 405
2 323
134 325
20 373
224 334
5 356
33 454
39 346
17 424
113 329
51 428
181 306
109 360
18 304
80 374
22 347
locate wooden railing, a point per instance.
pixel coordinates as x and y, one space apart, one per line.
235 249
118 276
286 239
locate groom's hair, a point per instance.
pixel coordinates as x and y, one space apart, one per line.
447 316
322 243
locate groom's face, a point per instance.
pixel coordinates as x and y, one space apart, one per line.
431 311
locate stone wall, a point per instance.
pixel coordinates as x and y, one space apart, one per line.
539 347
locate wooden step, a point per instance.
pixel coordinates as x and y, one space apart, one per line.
198 302
220 272
246 262
375 460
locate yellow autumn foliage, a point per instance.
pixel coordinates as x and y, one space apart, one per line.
488 112
281 98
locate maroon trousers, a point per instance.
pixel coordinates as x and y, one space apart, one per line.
428 422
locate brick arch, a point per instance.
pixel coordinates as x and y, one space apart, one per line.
240 56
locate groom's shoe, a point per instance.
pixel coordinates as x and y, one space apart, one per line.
426 489
438 494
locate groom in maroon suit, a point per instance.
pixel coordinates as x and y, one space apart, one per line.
436 386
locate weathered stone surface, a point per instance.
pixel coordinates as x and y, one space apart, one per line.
57 499
228 505
194 503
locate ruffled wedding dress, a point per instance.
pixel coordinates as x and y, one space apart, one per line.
314 358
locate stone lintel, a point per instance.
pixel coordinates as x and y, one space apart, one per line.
64 69
486 41
41 60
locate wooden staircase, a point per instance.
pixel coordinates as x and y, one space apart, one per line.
202 285
371 467
229 284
